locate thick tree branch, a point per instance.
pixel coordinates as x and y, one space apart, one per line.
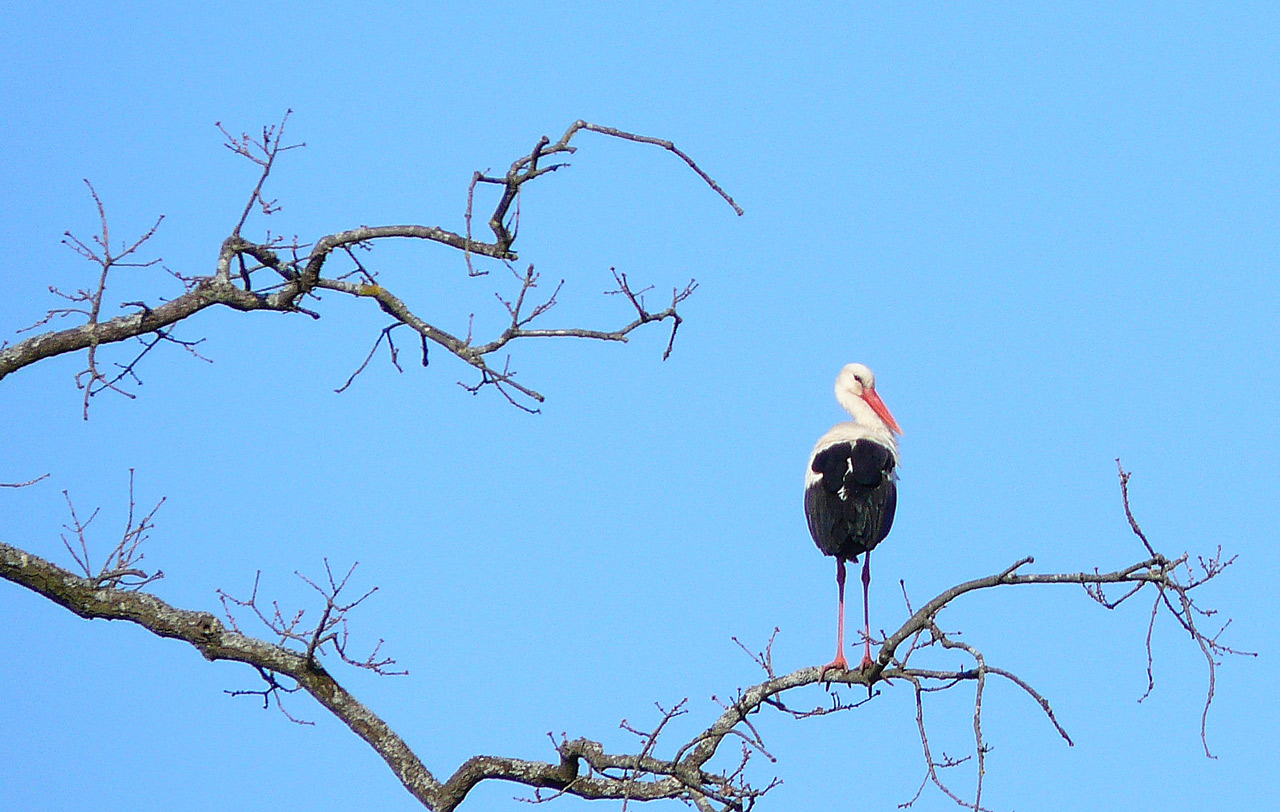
583 767
212 639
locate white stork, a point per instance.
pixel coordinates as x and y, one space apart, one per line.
850 489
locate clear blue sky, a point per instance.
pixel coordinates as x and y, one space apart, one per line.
1052 233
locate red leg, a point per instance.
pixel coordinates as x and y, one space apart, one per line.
839 663
866 611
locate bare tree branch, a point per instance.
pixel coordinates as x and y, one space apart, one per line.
297 273
583 768
122 567
262 152
24 484
667 145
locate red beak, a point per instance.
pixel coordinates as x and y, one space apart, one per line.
873 400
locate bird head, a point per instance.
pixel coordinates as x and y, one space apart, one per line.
856 386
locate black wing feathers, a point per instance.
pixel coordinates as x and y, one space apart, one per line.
850 509
871 464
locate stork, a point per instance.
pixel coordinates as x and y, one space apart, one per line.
850 490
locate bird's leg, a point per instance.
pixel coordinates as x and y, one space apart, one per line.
866 612
839 663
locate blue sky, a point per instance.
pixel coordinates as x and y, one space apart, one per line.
1052 233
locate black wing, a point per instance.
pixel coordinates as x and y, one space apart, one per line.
850 509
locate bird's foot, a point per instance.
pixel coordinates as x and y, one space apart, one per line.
838 664
866 663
